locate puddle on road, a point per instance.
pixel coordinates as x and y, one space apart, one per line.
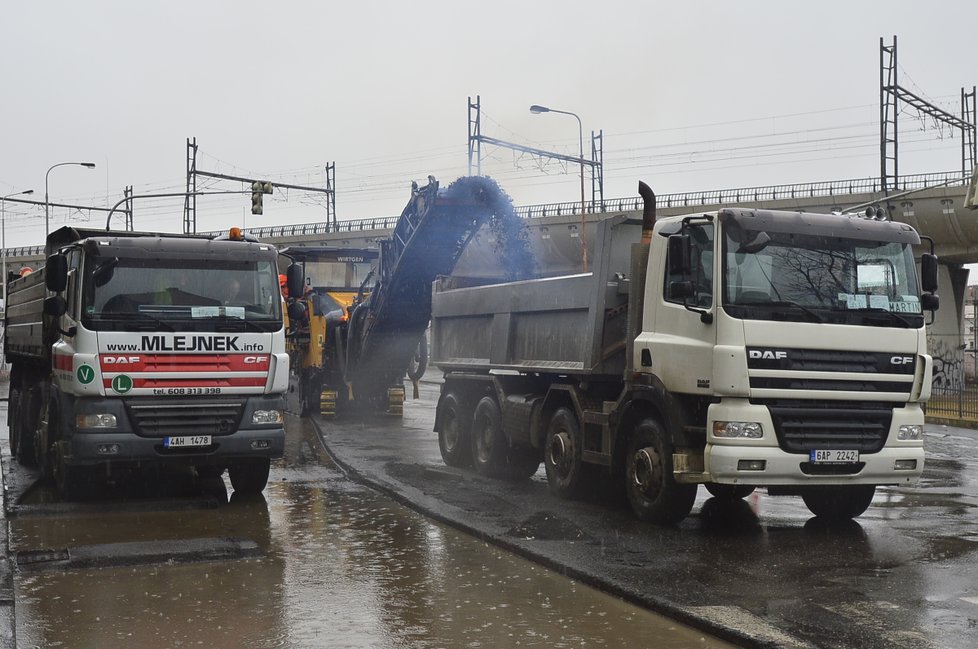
343 568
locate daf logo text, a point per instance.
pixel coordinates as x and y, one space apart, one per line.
767 354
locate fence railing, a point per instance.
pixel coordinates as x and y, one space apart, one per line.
960 403
631 203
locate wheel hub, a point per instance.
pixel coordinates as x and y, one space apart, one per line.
483 446
647 469
450 432
561 447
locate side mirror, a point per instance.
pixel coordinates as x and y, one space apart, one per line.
679 254
55 306
56 273
295 280
928 272
930 302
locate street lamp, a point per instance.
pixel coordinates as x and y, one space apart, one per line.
47 206
536 110
3 239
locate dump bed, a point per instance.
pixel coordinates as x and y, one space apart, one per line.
572 324
24 330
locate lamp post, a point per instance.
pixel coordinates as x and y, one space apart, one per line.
3 239
536 110
47 206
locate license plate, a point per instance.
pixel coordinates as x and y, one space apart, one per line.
187 441
834 457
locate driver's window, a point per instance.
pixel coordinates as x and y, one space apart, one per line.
701 267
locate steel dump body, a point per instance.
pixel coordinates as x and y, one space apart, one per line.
572 324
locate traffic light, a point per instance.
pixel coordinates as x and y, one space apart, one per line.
256 193
257 189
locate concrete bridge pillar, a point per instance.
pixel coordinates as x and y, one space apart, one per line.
945 336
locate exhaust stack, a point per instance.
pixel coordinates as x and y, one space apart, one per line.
648 211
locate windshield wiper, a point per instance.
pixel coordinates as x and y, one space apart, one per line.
783 303
873 310
248 324
133 315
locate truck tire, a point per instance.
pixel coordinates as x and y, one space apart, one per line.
13 421
249 477
30 411
453 433
489 447
562 454
42 438
838 503
729 491
419 362
652 492
71 482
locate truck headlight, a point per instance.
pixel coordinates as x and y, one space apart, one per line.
267 417
96 420
738 429
910 432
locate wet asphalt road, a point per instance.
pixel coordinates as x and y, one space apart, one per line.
904 575
319 561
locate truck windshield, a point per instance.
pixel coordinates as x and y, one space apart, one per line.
138 294
792 277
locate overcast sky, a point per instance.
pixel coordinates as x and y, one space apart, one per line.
689 96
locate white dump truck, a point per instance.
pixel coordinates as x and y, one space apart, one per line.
737 349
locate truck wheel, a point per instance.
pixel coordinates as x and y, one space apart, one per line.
453 434
652 492
41 439
419 362
838 503
30 406
71 481
249 477
562 454
489 446
13 421
729 491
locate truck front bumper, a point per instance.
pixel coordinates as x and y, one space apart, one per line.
99 448
762 466
762 462
237 438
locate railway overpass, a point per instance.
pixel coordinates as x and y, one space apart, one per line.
932 203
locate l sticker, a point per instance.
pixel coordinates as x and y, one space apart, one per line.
122 384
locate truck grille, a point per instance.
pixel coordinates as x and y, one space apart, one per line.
793 369
165 418
848 425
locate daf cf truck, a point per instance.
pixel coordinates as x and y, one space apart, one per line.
137 349
736 349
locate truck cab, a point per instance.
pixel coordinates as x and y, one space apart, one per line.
140 348
801 338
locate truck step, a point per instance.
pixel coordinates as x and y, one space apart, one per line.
327 403
395 401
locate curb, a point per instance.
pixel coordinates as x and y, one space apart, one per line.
772 638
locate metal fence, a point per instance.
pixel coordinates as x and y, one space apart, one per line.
954 402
